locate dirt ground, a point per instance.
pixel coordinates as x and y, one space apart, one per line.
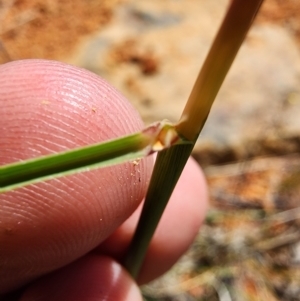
52 29
49 29
249 248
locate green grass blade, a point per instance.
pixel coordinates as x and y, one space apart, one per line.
153 138
170 162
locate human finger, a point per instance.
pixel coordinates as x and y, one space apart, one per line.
47 107
176 231
89 278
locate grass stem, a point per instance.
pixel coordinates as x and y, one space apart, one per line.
170 163
230 37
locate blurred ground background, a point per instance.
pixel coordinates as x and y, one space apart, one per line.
249 247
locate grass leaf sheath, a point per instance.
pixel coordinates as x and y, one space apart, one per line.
170 162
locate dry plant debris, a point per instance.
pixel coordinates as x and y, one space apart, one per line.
249 246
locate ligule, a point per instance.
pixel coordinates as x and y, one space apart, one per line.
164 135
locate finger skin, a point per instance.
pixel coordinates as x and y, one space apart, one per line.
47 107
88 279
177 228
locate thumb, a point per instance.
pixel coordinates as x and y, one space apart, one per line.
47 107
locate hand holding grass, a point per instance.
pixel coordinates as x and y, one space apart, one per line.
49 107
